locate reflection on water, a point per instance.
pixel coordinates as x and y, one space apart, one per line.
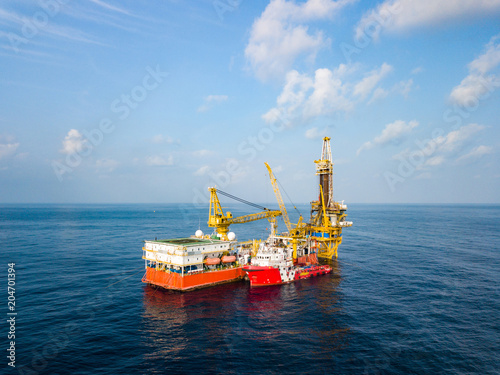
236 322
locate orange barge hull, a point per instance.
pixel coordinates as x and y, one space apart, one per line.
174 281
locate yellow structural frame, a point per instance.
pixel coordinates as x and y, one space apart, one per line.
221 222
324 227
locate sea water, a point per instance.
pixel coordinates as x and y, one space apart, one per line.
415 290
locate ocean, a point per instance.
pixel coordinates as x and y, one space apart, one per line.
415 290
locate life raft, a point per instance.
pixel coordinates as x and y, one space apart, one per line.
212 261
228 259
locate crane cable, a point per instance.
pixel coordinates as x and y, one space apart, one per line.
243 201
293 204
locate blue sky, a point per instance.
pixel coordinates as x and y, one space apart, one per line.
128 101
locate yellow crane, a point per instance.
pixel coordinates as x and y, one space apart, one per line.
221 222
296 233
279 198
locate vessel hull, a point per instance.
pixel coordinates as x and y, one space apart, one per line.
263 276
175 281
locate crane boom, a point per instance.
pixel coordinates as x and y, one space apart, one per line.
277 192
257 216
221 222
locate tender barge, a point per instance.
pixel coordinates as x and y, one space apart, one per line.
185 264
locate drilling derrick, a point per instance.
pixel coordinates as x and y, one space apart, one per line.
324 168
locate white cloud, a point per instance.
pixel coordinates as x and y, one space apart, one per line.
392 132
477 152
403 15
471 89
109 7
295 91
478 83
451 142
315 133
402 155
215 98
304 97
7 149
230 171
160 138
106 165
278 169
159 161
73 142
417 70
49 29
280 35
210 101
238 172
202 153
328 95
445 147
489 59
435 161
65 32
202 170
403 87
274 115
379 93
367 84
423 176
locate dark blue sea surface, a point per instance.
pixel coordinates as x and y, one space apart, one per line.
415 290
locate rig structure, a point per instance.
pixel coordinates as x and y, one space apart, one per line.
323 233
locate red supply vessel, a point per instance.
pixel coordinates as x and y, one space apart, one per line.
274 264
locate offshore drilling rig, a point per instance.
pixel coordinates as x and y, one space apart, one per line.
327 216
323 233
